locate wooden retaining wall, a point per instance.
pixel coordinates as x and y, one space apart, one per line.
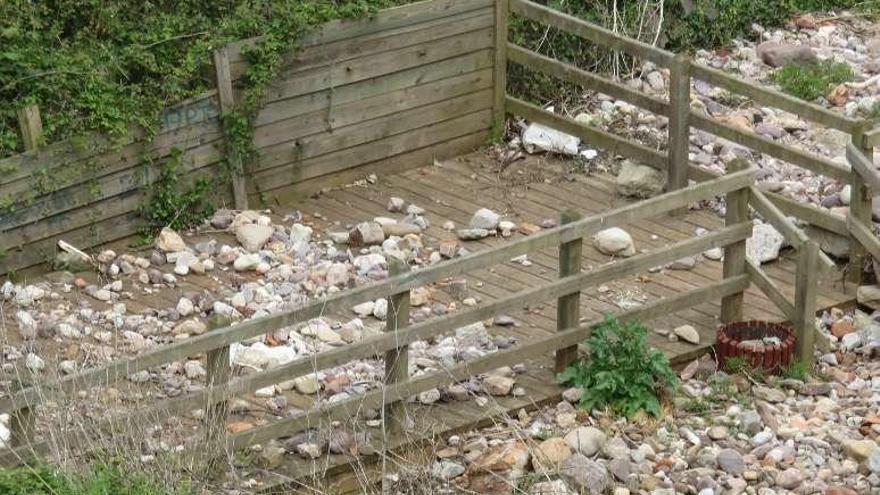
410 85
92 186
380 97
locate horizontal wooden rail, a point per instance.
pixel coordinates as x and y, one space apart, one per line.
792 233
570 73
517 354
783 152
812 214
872 137
596 34
378 344
770 289
596 137
864 166
865 236
771 97
121 369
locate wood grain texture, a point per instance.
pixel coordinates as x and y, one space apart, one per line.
386 20
860 206
226 97
735 254
31 127
568 306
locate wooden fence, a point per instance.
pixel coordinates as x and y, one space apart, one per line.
24 404
737 184
773 207
412 84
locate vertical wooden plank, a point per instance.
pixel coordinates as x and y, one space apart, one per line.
219 371
805 300
860 208
227 104
31 126
735 254
501 19
568 311
396 360
679 127
22 426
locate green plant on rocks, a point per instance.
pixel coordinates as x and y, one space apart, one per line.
811 81
797 370
622 372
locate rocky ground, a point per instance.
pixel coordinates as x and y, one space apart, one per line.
847 38
723 433
116 305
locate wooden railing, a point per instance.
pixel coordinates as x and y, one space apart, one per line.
865 185
773 208
392 344
738 272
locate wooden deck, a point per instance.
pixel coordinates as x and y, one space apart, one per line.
531 191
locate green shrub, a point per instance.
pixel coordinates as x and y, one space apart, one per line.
810 81
622 372
103 480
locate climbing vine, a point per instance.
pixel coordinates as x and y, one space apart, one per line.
111 65
171 203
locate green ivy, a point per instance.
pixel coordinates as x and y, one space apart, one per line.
622 372
170 204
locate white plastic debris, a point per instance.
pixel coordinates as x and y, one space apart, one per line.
537 136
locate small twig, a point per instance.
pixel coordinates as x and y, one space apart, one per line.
41 74
173 38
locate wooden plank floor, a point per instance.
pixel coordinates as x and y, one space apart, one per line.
538 189
528 191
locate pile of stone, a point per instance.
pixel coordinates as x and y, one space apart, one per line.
722 434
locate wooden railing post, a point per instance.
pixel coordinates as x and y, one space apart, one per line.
31 126
226 98
679 127
568 311
500 77
397 359
735 254
219 371
805 300
22 424
860 207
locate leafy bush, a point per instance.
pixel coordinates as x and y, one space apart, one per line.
810 81
622 372
106 64
104 480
